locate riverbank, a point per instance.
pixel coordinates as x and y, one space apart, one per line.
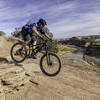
63 49
91 45
71 51
92 60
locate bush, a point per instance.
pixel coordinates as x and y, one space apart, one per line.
17 33
53 46
2 33
11 39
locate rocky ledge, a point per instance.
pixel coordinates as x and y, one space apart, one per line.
11 78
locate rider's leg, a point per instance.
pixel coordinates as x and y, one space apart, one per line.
34 43
25 44
27 39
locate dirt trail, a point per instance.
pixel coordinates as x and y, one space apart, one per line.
76 81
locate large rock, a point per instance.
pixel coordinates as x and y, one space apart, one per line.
92 60
12 77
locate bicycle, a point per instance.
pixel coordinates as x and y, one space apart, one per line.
48 60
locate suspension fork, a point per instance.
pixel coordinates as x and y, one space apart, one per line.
47 55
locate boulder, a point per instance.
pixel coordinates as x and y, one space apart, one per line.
12 77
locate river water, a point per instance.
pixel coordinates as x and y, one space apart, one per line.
76 54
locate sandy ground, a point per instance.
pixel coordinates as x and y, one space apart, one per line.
76 81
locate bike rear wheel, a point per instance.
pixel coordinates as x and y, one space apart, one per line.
54 66
18 53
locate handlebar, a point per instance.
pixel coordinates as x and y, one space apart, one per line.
48 39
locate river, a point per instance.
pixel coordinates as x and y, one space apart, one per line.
78 54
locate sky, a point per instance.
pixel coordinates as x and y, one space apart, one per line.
65 18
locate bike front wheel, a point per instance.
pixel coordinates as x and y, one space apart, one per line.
18 53
51 68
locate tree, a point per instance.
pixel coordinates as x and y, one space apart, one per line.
2 33
17 32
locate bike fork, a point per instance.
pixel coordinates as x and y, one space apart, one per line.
48 58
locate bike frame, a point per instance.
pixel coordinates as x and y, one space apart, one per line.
37 49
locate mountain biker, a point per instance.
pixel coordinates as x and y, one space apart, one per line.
40 31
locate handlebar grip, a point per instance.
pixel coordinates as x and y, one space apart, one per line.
48 39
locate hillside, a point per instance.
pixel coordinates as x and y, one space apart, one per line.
76 81
82 41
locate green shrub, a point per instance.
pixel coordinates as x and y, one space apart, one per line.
2 33
53 46
17 33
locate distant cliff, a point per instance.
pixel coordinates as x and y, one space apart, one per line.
82 41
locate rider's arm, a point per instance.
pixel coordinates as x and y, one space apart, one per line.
47 35
35 31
